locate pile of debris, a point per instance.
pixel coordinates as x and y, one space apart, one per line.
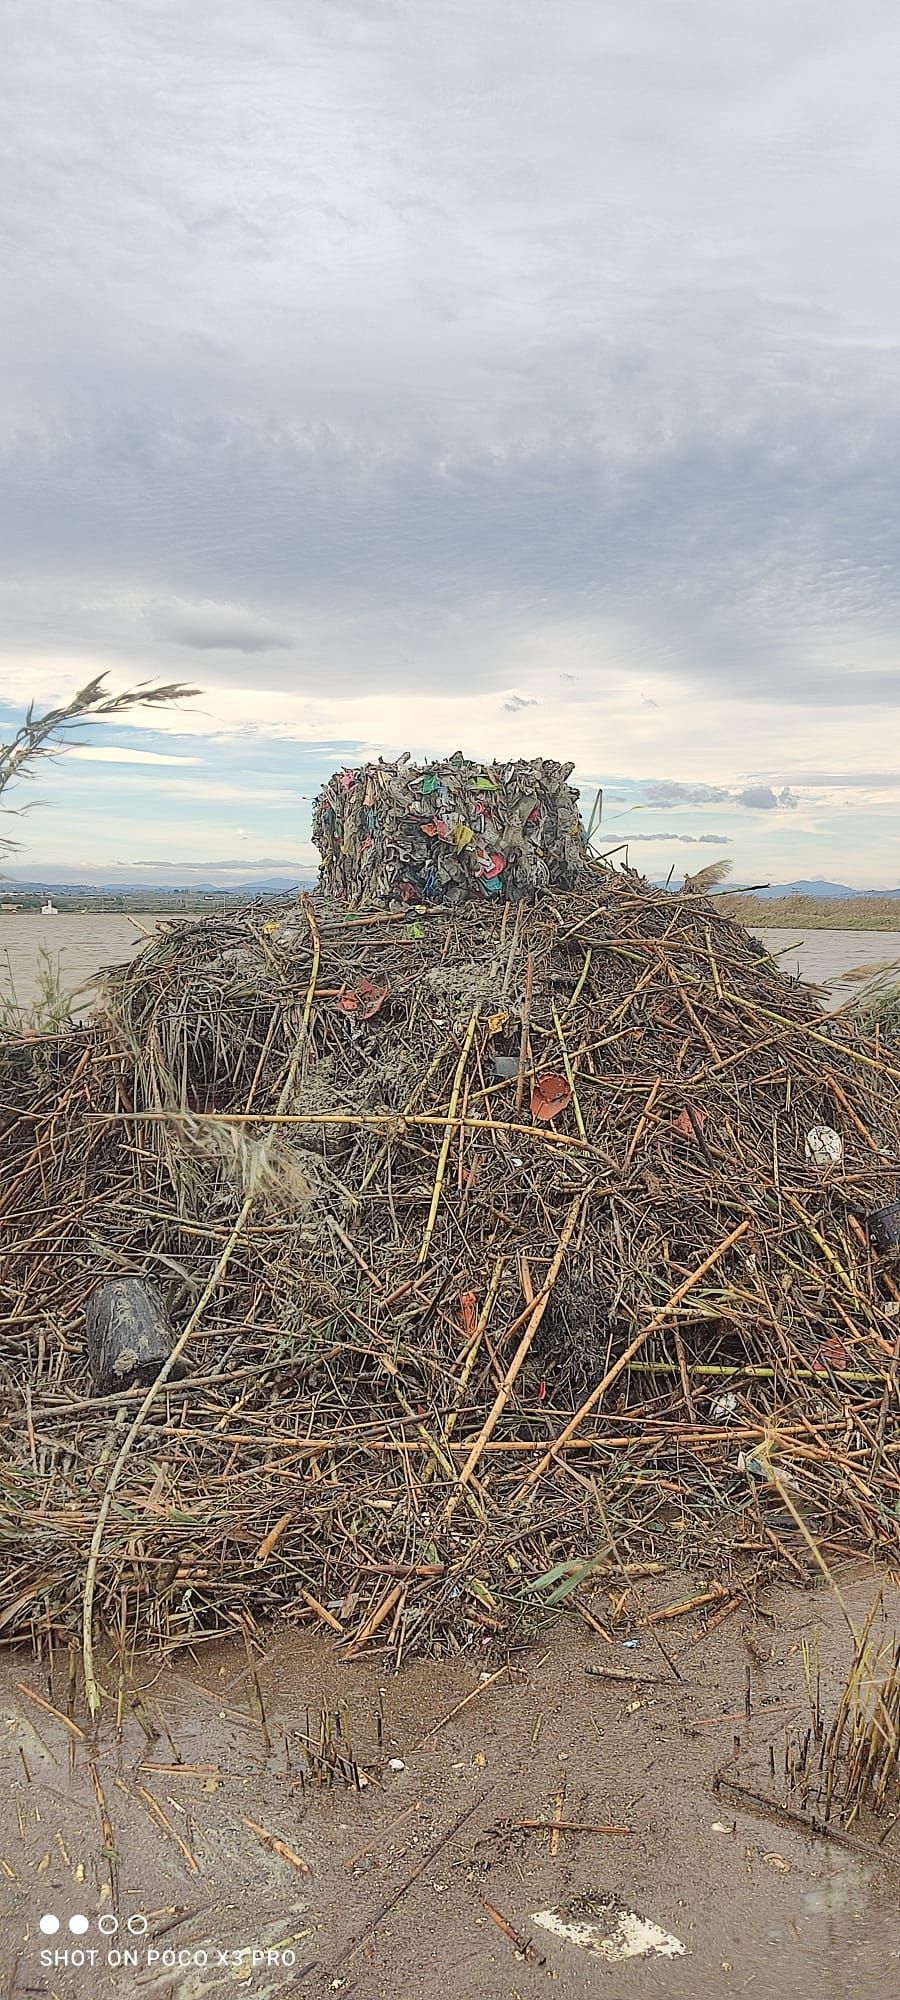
500 1244
395 834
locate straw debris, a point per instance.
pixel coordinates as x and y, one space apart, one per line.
497 1256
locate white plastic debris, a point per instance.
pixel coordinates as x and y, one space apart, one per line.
603 1926
724 1406
396 1764
824 1146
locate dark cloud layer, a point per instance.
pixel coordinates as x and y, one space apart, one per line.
417 316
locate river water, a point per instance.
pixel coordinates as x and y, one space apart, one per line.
74 945
825 958
77 945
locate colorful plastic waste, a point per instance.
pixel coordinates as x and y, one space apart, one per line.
448 832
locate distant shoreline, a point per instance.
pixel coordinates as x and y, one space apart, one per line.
165 903
811 913
124 906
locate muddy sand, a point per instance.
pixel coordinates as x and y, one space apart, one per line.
204 1823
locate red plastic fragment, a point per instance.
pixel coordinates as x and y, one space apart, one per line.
362 1001
549 1097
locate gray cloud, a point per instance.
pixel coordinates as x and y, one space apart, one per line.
214 627
760 798
666 795
663 794
685 839
520 701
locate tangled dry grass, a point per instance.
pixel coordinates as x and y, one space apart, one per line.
459 1354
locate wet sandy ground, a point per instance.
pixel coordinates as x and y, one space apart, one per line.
203 1815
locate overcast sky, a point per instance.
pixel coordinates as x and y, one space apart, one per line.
484 374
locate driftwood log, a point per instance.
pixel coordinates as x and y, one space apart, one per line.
128 1334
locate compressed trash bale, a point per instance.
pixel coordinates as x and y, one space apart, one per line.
128 1334
450 831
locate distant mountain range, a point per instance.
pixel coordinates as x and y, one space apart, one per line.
281 885
833 891
830 892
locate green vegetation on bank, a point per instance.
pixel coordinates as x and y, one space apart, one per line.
48 1013
880 1009
814 913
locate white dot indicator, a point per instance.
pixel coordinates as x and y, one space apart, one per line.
49 1924
78 1925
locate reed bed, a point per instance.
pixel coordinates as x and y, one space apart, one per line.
878 1009
815 913
497 1262
845 1767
